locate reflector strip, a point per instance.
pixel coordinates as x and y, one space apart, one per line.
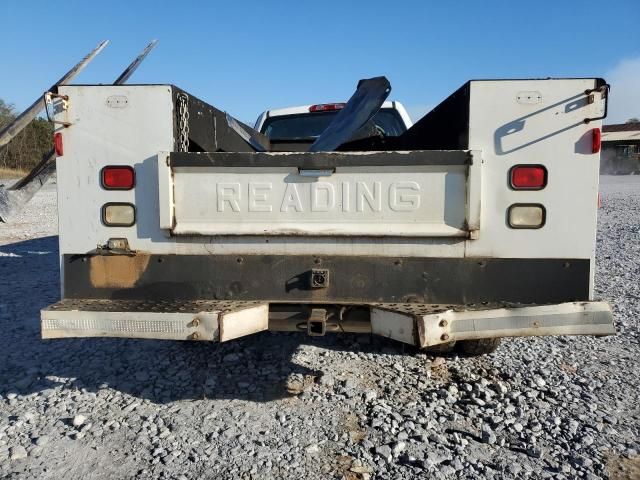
596 140
57 143
169 326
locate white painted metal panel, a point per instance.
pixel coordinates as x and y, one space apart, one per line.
243 322
394 325
550 132
102 135
378 201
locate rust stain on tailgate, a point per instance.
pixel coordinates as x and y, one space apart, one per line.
117 271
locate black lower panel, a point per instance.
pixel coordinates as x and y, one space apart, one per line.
300 278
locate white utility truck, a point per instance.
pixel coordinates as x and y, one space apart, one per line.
478 222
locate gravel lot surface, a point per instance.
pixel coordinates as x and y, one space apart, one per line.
289 406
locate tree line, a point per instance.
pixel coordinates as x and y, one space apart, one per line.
27 148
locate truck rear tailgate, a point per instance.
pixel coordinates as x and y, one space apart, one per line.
417 193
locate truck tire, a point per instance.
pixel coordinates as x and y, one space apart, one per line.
442 348
483 346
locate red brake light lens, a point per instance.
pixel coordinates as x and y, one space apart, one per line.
528 177
326 107
118 178
57 144
596 140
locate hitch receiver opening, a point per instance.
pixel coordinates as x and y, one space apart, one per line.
317 322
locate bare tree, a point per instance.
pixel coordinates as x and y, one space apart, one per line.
7 113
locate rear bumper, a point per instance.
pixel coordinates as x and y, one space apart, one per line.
422 325
350 279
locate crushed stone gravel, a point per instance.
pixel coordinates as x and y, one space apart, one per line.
290 406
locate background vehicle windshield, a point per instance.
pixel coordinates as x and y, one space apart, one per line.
311 125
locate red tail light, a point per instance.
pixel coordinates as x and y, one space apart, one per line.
118 178
528 177
57 144
596 140
326 107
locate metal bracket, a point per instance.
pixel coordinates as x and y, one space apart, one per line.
305 172
317 322
114 246
48 98
604 92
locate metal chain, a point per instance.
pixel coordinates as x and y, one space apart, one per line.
183 122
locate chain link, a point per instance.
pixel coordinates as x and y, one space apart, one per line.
183 122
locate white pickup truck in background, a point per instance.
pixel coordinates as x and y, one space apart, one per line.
478 222
309 121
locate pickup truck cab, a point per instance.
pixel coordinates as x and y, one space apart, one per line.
303 124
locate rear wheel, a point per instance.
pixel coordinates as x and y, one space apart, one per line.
441 348
483 346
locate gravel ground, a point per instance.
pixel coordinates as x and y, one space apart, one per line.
289 406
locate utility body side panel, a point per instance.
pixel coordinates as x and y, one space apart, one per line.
546 129
102 133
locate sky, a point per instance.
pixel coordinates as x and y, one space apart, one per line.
245 57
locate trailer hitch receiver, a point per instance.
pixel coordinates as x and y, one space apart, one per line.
317 322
